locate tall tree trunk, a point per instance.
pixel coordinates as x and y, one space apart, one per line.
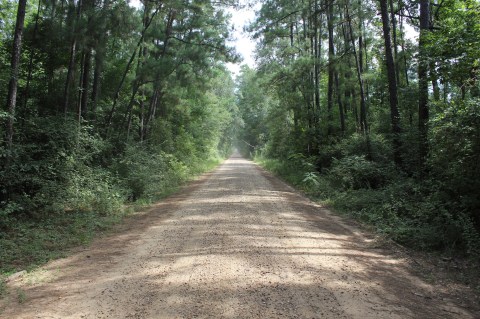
97 75
79 88
358 63
435 87
394 38
405 64
152 110
85 82
30 62
347 75
392 85
14 70
365 53
71 64
99 58
340 104
331 65
423 111
141 63
317 53
363 104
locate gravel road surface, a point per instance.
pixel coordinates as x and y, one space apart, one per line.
237 243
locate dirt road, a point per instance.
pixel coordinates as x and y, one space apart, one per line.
236 244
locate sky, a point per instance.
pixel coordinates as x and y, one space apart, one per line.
243 44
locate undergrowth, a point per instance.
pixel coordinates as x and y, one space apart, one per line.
29 240
410 211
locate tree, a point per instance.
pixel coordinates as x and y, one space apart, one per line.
375 93
14 66
423 109
392 84
149 74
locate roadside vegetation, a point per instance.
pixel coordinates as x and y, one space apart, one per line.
109 108
384 126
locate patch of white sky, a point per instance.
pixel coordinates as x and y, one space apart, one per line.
241 16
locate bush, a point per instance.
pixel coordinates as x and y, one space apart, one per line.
454 159
355 172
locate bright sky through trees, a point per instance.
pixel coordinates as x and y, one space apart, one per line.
241 40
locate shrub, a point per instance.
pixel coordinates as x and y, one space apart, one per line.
355 172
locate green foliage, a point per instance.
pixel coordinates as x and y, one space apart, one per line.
21 296
3 286
30 243
454 46
53 172
455 149
313 134
150 105
253 106
148 174
355 172
417 213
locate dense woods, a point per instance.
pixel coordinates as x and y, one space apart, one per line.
104 104
372 106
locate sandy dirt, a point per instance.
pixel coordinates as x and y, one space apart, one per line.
237 243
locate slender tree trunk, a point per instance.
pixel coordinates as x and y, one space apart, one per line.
392 85
97 74
99 57
363 106
140 65
79 88
340 104
317 69
14 70
365 52
331 65
347 74
405 65
423 111
85 82
394 38
435 87
71 64
291 35
30 62
152 110
446 90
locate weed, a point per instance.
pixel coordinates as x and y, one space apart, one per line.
3 287
21 296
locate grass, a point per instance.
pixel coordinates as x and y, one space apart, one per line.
3 287
21 296
28 244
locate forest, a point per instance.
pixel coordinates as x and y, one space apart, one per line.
371 107
104 105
